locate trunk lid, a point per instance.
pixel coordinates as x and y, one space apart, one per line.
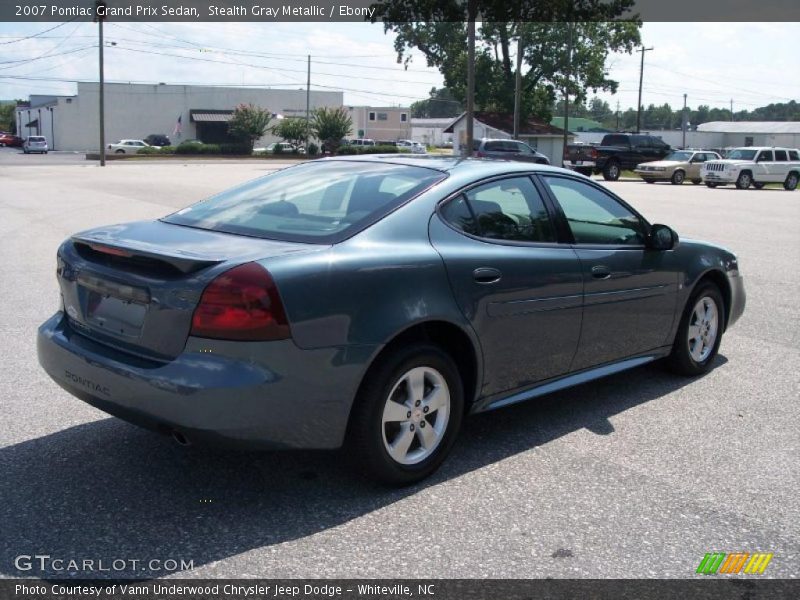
135 286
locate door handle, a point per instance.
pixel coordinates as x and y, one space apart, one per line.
601 272
486 275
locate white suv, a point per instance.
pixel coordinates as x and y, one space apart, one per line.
754 166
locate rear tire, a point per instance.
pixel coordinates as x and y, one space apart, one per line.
711 185
410 399
759 186
697 181
790 184
649 180
744 180
611 171
699 333
678 177
120 152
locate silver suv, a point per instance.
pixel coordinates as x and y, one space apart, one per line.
509 150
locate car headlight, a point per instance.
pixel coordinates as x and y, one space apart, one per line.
659 168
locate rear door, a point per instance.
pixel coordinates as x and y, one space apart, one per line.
520 290
630 295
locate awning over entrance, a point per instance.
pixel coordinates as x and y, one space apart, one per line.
210 116
34 123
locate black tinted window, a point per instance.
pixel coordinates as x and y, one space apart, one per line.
313 202
508 209
780 155
765 155
793 155
615 140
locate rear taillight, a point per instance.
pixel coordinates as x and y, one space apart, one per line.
479 154
594 152
241 304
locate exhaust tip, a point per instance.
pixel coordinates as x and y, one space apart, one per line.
180 438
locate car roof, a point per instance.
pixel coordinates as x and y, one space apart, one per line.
479 167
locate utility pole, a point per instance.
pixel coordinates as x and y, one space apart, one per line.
641 79
467 151
617 115
518 89
308 102
99 6
731 109
683 124
568 73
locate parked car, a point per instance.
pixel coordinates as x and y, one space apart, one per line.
35 143
754 166
284 148
378 298
127 147
361 142
11 140
677 167
508 150
616 152
159 140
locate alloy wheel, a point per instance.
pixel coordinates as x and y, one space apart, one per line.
703 329
415 415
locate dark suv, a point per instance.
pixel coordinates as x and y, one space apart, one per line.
157 139
509 150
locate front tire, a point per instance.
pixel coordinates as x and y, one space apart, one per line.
407 414
711 185
120 152
700 332
678 177
744 180
611 171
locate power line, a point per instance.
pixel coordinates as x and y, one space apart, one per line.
29 37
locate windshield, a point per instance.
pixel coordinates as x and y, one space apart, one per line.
679 156
741 154
320 202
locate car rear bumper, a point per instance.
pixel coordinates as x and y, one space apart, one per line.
256 394
579 164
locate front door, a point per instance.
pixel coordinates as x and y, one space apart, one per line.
629 295
520 290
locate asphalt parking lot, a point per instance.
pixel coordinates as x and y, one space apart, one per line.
638 475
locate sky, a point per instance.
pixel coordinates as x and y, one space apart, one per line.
751 63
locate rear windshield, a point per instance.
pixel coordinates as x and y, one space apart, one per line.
318 202
35 139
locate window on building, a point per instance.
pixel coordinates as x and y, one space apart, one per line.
372 116
382 116
403 117
748 141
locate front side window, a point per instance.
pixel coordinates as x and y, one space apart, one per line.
508 209
794 155
593 216
765 156
312 202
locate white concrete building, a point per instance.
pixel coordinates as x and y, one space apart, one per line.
431 131
135 110
381 123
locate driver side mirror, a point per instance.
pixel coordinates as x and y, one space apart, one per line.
662 238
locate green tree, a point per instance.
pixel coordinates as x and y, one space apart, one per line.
249 123
441 104
330 125
293 130
438 31
8 121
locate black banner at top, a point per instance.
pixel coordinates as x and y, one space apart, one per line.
410 10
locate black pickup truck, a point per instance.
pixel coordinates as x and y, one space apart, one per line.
617 151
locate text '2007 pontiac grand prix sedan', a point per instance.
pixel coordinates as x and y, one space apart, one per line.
376 301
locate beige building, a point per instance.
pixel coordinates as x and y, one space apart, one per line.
380 123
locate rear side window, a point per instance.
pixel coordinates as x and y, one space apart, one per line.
615 140
780 155
793 155
508 209
313 202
